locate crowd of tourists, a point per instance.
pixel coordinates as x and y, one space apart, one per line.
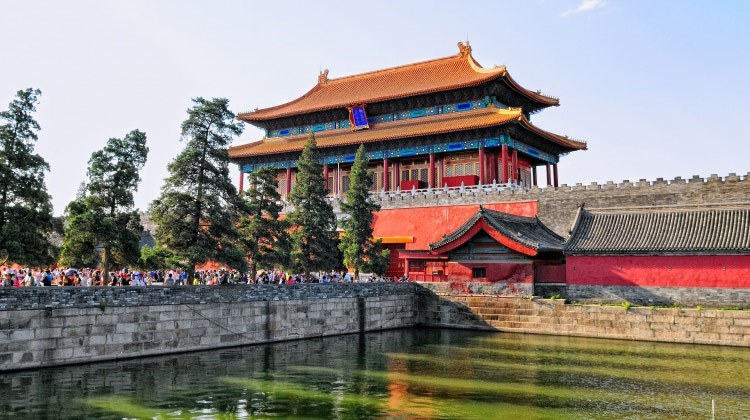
60 276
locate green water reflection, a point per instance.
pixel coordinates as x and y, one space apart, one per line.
412 374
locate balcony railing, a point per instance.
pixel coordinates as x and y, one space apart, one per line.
423 192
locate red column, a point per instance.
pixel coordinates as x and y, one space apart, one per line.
386 177
549 175
441 165
533 175
514 166
431 175
336 182
288 181
396 174
482 178
504 164
325 176
554 169
492 163
242 180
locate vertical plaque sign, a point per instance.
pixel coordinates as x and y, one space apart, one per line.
358 117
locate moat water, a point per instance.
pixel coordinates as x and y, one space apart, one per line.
411 374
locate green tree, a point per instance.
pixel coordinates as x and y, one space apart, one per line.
26 221
357 245
103 215
264 237
314 233
158 258
79 241
195 214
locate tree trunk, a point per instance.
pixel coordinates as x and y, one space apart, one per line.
356 274
190 273
106 265
253 272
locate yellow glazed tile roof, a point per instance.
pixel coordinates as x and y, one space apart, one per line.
424 77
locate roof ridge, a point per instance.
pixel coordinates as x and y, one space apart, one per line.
392 69
672 208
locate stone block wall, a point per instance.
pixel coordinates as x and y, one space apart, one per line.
557 208
480 288
52 326
62 325
709 297
541 316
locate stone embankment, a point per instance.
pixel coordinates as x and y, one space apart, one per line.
544 316
52 326
62 325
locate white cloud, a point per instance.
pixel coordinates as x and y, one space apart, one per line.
585 6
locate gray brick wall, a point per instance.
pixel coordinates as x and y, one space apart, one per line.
708 297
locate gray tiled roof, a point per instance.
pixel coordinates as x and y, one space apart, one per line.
529 231
676 232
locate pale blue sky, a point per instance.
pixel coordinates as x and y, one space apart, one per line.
657 88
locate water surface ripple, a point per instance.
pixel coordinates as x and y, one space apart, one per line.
410 374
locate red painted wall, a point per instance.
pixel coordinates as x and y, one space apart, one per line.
663 271
428 224
395 265
550 273
504 272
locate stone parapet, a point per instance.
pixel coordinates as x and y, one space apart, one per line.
104 297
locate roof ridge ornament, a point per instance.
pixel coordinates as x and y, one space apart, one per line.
464 50
323 77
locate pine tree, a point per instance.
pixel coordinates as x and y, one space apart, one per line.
314 233
196 212
264 236
357 245
26 221
105 216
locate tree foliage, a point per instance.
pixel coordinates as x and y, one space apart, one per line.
195 214
314 233
26 221
357 245
158 258
264 237
103 215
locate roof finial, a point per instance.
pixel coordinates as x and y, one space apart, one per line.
464 49
323 77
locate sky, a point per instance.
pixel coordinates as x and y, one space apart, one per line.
658 89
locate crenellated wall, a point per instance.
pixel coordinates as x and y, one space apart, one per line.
557 208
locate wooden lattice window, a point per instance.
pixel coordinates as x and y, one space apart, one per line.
345 183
